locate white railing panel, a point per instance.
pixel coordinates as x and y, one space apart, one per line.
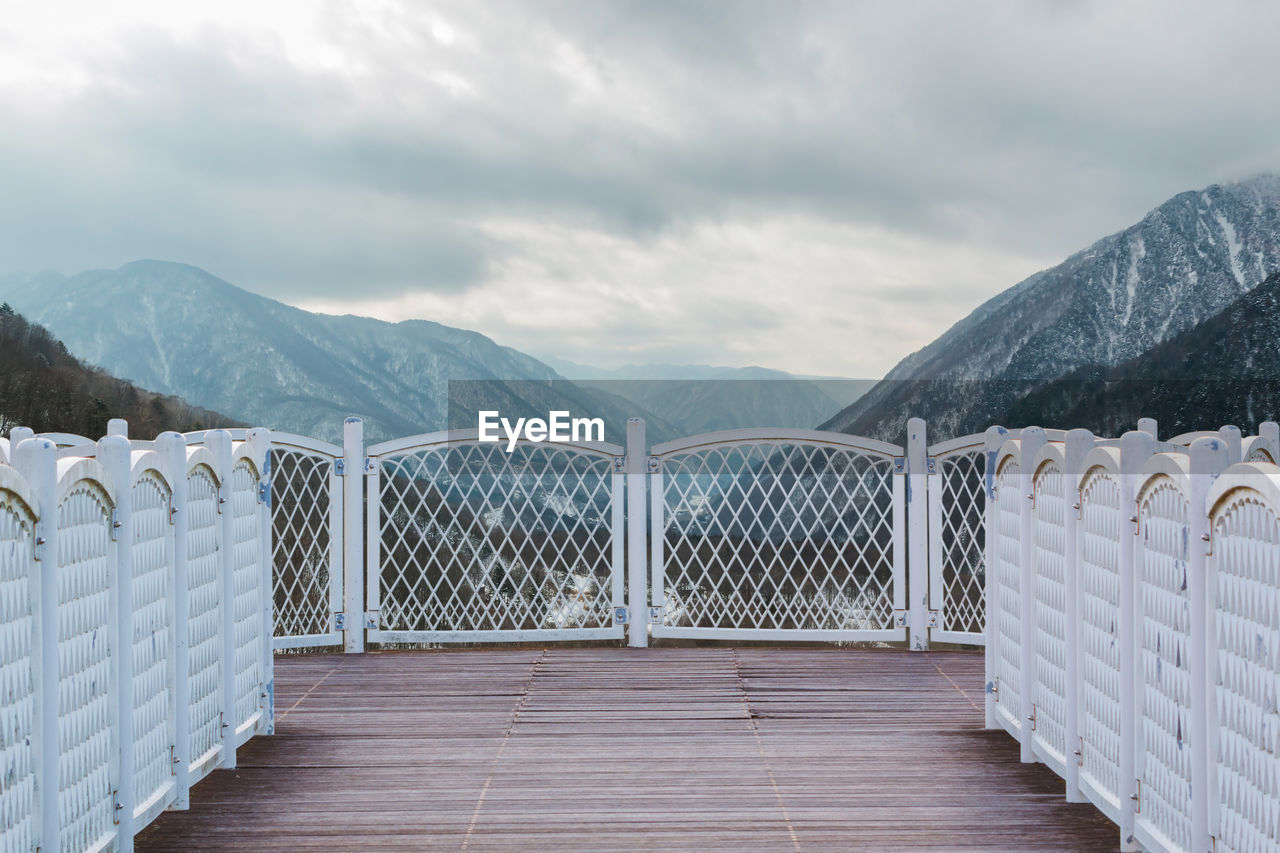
152 641
247 582
783 537
306 516
1164 694
475 542
1050 518
1245 637
18 582
957 495
1099 629
86 704
1004 586
204 618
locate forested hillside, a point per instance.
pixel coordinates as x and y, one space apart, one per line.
46 388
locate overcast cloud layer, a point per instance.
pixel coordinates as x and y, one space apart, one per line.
819 187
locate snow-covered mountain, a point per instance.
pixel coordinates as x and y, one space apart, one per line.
1182 264
179 330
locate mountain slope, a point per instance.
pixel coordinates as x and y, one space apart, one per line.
44 387
1224 371
180 330
1183 263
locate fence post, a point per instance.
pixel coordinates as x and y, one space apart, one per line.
219 443
1234 441
116 457
637 552
260 441
1270 430
1135 449
118 426
353 535
1208 460
995 438
1150 427
1078 444
917 534
37 461
1032 439
173 447
17 435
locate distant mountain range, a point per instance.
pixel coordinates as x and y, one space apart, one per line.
1184 263
183 331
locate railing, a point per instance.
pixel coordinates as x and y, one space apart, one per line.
135 628
1135 609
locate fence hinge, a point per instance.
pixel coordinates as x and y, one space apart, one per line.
222 725
340 621
653 465
370 465
619 464
38 551
899 618
1080 754
173 512
264 492
655 615
115 526
1207 537
931 619
931 466
993 688
119 806
1032 718
173 759
621 616
899 464
340 467
1136 796
371 618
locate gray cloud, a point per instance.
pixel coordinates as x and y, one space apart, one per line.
373 157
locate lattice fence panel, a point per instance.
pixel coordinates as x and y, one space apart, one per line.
17 686
1246 560
777 536
1007 605
247 583
301 506
1099 655
477 539
85 705
204 618
962 478
1050 518
1164 696
152 642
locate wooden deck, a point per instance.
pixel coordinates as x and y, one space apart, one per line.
631 749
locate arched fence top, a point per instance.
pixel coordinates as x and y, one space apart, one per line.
16 485
811 437
1261 478
1186 438
244 451
73 472
1010 450
4 450
142 461
1163 468
198 436
962 444
201 456
291 441
1052 453
1099 462
67 439
442 439
1260 448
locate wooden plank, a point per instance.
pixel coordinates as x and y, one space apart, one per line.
641 749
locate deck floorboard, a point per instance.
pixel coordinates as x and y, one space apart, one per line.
590 749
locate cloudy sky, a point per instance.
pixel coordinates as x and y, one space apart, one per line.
819 187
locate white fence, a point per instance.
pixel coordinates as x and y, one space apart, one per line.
1134 647
135 629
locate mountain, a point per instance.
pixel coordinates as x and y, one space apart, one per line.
180 330
44 387
1183 263
1224 371
702 397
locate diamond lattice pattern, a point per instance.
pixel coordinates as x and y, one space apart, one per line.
301 497
962 478
777 536
477 539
